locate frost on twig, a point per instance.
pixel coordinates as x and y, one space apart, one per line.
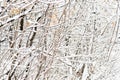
59 39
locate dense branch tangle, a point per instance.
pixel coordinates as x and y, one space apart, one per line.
60 39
